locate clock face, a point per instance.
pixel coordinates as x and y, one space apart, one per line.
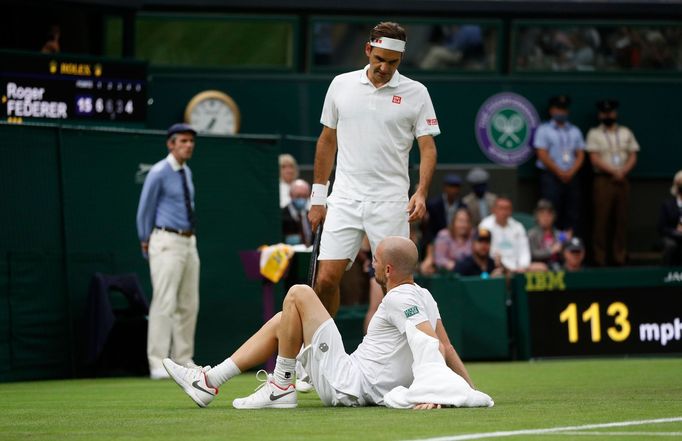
213 112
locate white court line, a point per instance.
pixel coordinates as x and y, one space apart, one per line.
550 430
622 433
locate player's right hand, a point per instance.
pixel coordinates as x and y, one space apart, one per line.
316 215
427 406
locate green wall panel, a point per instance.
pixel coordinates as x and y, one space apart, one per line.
5 353
39 328
70 212
236 204
29 179
291 104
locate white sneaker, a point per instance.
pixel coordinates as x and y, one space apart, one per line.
192 381
158 374
268 395
304 386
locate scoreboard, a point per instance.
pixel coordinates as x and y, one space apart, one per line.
604 312
59 88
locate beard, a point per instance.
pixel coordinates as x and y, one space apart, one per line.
382 283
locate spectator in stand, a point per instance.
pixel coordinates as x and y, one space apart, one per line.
559 146
427 266
546 242
574 255
479 263
454 243
439 213
295 225
480 201
613 153
52 45
509 239
441 209
288 173
670 224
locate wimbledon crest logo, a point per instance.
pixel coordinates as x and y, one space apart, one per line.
505 125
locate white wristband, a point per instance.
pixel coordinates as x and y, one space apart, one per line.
318 195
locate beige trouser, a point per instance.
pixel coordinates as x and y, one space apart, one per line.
174 267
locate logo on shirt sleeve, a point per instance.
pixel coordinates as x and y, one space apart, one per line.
397 99
409 312
432 121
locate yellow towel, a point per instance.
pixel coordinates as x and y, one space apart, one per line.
274 261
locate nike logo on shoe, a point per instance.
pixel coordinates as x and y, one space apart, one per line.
196 386
274 397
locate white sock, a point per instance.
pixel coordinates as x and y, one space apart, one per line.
285 369
217 375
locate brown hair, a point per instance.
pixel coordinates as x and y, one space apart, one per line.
388 29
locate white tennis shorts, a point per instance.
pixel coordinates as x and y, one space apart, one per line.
337 380
347 222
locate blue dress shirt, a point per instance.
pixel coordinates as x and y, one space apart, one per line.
162 202
562 143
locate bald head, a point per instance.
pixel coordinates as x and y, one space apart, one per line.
299 189
399 252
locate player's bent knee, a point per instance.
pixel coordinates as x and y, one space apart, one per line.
298 293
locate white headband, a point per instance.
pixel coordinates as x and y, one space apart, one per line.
388 43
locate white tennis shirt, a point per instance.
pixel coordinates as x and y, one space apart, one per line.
375 130
510 241
384 356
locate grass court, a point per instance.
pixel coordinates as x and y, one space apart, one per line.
545 400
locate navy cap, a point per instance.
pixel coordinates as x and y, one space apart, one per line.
607 105
560 101
180 128
452 179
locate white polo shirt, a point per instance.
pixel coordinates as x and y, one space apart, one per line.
384 356
510 241
375 129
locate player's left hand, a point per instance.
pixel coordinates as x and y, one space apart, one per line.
416 208
427 406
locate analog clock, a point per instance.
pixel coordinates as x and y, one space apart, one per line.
213 112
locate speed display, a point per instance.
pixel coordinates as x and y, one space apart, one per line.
60 87
605 312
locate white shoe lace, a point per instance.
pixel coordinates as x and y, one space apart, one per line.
263 381
191 374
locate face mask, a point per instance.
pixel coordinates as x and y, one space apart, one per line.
608 122
560 118
299 203
480 189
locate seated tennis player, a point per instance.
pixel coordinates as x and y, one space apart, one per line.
382 362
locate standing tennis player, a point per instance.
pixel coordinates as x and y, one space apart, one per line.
370 118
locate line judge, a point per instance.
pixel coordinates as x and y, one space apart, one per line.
165 226
371 118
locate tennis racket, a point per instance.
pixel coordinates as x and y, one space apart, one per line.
312 269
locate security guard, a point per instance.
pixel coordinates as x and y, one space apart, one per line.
613 153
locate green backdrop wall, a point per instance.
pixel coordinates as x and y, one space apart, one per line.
291 104
68 210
